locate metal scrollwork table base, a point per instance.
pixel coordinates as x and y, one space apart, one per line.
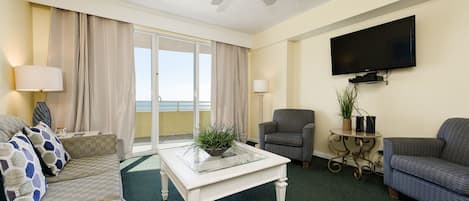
341 142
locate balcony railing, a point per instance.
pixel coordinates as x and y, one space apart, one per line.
173 106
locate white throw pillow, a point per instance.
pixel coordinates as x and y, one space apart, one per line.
49 146
21 170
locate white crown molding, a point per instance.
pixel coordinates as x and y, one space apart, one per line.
119 10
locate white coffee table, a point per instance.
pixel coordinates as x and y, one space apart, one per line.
199 177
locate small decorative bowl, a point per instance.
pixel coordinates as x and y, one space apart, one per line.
216 151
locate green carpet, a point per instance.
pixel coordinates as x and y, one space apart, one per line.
141 182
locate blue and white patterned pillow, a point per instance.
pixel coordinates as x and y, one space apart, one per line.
50 148
21 170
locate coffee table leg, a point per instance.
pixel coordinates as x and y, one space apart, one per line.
164 185
194 195
281 189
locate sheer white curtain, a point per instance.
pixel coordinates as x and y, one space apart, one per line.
230 87
96 55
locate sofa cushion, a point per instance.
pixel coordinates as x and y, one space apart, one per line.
289 139
88 146
420 189
9 125
50 148
21 170
102 187
446 174
85 167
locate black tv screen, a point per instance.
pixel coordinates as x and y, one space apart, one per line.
386 46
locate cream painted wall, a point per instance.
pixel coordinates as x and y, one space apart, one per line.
15 49
416 101
269 63
276 64
291 75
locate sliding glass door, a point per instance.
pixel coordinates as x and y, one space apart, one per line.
176 89
204 85
143 59
173 94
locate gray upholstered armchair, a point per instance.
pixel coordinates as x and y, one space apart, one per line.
290 134
430 169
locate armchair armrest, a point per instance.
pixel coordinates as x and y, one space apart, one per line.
308 141
268 127
86 146
430 147
308 127
264 129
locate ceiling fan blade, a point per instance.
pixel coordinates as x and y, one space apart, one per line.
224 5
269 2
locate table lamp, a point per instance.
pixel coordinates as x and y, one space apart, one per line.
260 87
39 79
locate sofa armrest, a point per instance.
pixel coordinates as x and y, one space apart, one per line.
430 147
308 141
413 146
264 129
86 146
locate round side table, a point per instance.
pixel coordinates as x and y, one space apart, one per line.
365 142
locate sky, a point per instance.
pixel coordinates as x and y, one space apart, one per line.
176 75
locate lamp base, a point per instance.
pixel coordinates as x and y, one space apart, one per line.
261 107
42 113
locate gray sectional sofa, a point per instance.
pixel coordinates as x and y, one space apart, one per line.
93 173
430 169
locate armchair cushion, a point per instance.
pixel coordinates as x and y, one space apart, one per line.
438 171
288 139
292 120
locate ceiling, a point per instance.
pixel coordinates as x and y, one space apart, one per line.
248 16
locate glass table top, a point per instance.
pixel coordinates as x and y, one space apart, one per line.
201 162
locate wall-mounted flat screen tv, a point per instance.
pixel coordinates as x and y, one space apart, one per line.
387 46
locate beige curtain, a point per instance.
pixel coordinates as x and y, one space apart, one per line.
96 55
229 87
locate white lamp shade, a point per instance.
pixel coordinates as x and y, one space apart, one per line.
38 78
260 86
